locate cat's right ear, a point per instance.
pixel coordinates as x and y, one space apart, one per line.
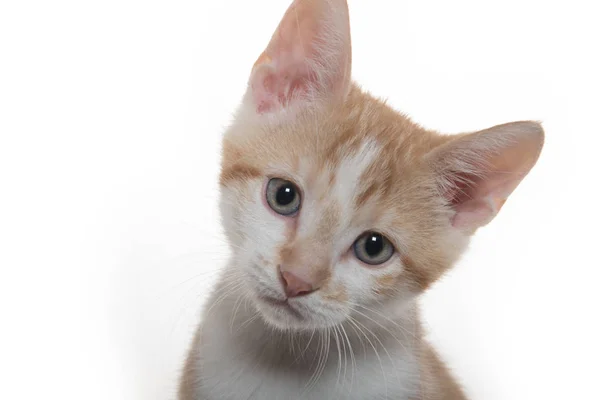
308 60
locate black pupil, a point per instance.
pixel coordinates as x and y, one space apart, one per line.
374 244
286 194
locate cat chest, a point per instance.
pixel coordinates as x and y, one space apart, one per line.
386 376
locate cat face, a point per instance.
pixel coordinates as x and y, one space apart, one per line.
330 200
335 205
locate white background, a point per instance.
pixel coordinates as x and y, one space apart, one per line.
111 114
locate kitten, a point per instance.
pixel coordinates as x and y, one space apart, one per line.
339 211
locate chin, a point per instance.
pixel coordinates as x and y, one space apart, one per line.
281 317
288 315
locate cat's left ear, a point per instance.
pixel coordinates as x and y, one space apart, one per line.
307 62
477 172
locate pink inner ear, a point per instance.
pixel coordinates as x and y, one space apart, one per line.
484 168
272 88
307 58
476 203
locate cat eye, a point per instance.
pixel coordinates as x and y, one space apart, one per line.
283 196
373 248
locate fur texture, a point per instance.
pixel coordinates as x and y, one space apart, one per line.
360 166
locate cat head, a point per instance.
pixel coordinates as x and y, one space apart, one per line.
335 204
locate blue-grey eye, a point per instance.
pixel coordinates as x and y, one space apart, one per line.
373 248
283 196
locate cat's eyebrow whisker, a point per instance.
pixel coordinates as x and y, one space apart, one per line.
317 135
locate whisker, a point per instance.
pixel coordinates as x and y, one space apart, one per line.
384 328
353 361
356 323
339 368
387 319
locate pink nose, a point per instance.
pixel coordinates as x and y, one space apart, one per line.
295 286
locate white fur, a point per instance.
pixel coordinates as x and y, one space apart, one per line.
349 172
242 357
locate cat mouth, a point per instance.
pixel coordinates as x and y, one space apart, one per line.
281 306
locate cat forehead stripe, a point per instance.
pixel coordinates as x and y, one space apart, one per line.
350 170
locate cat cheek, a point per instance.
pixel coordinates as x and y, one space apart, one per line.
337 294
385 285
